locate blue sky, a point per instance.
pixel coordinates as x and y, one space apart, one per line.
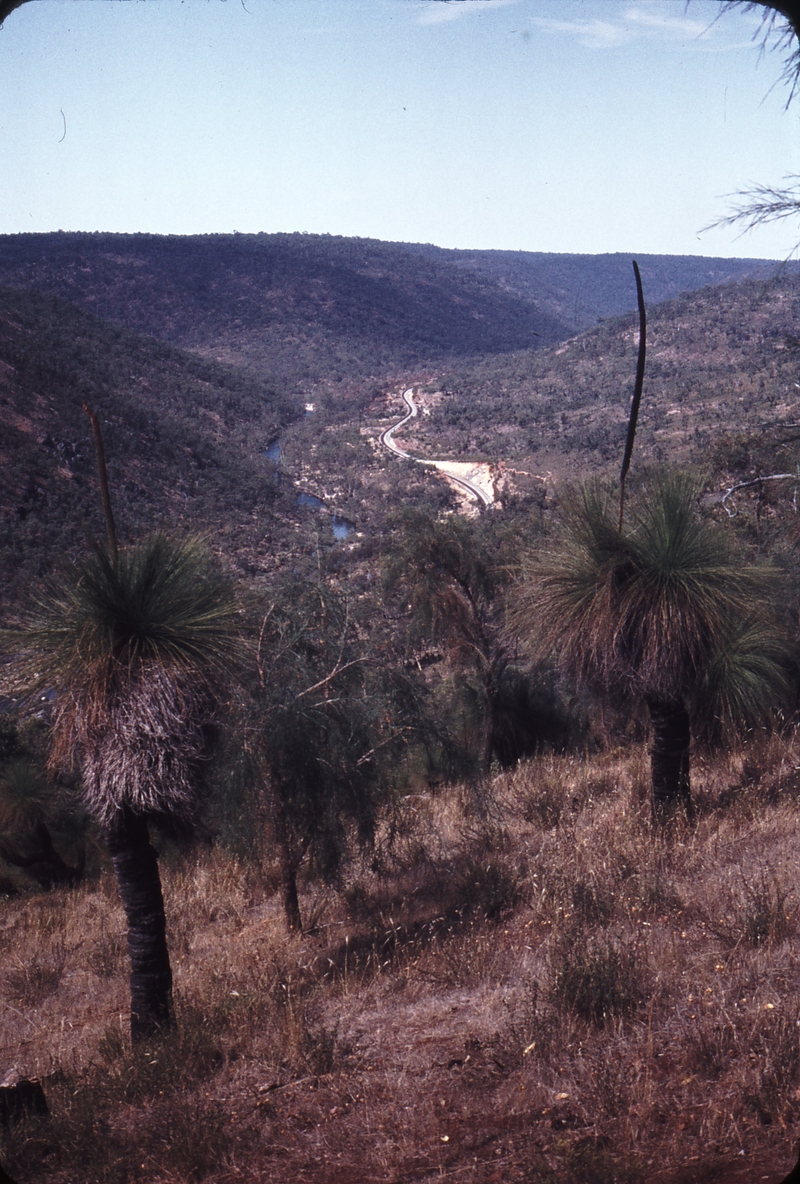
542 125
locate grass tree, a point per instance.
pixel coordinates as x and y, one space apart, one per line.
659 611
135 648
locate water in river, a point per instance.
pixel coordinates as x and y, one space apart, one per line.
273 454
311 500
342 527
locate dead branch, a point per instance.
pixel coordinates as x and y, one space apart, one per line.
755 481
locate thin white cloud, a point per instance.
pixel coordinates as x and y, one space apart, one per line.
658 22
594 34
651 21
437 12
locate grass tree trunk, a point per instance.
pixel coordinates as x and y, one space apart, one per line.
669 759
136 868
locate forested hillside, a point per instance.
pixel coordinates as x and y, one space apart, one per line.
579 289
432 794
722 368
185 433
302 310
182 436
295 308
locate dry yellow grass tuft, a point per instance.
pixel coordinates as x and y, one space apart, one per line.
530 987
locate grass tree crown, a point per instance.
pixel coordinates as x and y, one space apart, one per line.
661 610
134 649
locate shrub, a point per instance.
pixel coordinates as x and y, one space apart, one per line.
597 981
759 916
490 889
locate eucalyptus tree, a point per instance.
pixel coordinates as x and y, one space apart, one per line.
329 720
136 648
446 576
659 611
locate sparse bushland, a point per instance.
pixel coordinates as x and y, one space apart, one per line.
183 437
527 981
446 579
43 829
720 360
524 983
435 1018
29 806
184 434
445 576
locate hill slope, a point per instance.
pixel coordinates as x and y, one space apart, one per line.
304 309
296 307
182 436
185 433
722 363
579 289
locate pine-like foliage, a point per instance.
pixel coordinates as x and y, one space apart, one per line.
26 798
447 580
447 583
329 723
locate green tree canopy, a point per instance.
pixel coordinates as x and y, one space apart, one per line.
443 575
327 724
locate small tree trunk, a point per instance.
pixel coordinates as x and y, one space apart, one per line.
490 691
136 868
669 759
488 742
289 865
291 904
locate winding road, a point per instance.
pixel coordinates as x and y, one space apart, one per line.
387 440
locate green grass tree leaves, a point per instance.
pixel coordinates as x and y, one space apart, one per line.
663 612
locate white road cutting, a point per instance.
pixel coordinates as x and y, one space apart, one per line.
473 479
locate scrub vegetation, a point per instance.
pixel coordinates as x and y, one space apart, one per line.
549 992
463 845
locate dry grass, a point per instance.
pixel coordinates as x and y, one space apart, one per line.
532 987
